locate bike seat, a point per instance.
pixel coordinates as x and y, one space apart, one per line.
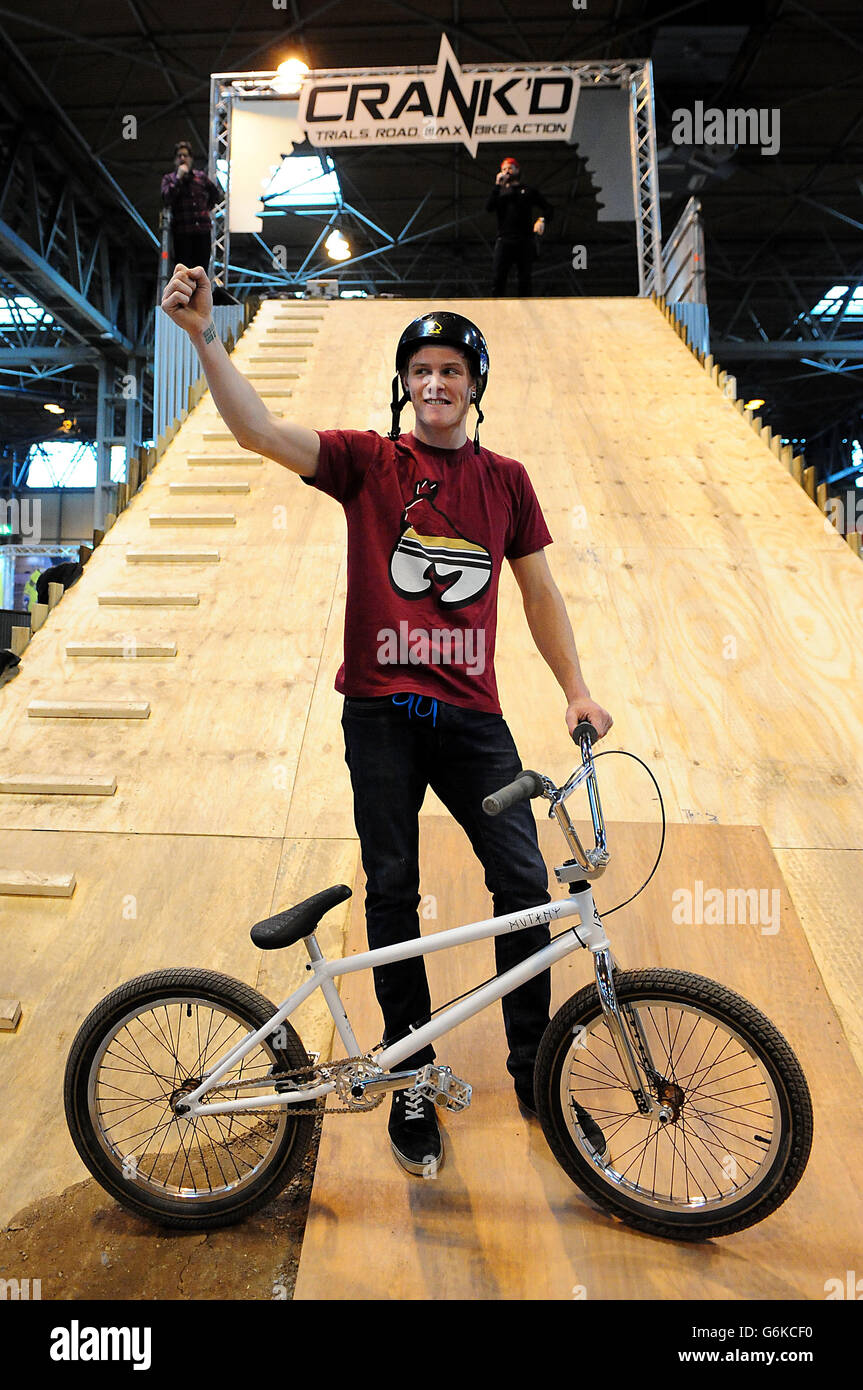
287 927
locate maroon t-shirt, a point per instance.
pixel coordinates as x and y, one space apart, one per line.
428 531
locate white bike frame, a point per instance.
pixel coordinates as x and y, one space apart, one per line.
589 933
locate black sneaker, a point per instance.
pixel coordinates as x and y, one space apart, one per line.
415 1138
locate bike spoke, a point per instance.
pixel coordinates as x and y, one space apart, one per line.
720 1134
153 1053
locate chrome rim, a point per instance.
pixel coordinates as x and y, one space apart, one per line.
150 1055
726 1132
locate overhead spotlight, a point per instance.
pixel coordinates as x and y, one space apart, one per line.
54 409
753 405
289 77
338 248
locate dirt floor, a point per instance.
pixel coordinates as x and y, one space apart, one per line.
83 1245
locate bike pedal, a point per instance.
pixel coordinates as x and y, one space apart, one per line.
440 1086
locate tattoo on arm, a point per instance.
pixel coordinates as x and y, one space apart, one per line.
209 333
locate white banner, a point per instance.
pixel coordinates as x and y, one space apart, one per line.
441 105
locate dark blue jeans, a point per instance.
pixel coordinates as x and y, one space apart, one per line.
507 254
394 752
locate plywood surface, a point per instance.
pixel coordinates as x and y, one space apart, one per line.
141 903
502 1220
715 615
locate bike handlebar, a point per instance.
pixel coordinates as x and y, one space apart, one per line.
526 785
584 730
529 784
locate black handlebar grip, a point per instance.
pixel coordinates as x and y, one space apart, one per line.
527 784
584 729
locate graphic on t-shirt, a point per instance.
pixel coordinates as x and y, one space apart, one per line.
430 549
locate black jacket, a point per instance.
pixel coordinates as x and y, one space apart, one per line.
514 207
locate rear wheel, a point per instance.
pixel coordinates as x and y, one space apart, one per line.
146 1044
740 1131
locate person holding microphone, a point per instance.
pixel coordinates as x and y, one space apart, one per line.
518 227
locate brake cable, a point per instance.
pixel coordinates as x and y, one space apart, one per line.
604 754
624 753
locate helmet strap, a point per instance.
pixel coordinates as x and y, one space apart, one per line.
396 405
478 395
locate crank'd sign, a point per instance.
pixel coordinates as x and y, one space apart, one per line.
442 104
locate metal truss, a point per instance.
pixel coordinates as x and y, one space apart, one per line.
777 236
634 75
64 233
221 106
249 279
642 140
71 242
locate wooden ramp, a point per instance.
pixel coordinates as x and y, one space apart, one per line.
172 827
502 1220
716 616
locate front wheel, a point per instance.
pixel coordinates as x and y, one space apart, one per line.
739 1130
146 1044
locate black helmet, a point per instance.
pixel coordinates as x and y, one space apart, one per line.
441 329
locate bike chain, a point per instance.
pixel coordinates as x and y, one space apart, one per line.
333 1067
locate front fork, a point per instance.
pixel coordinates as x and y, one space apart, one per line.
591 933
650 1098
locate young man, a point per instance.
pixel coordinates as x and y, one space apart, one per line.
517 227
431 518
190 194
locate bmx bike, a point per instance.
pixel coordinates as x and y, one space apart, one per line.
670 1100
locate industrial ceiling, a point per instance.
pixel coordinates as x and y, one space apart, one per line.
781 227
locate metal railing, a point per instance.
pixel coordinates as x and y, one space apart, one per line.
684 274
176 367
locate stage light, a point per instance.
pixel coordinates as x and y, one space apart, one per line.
338 249
54 409
753 405
289 76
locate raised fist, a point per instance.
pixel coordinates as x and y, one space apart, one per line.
188 298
